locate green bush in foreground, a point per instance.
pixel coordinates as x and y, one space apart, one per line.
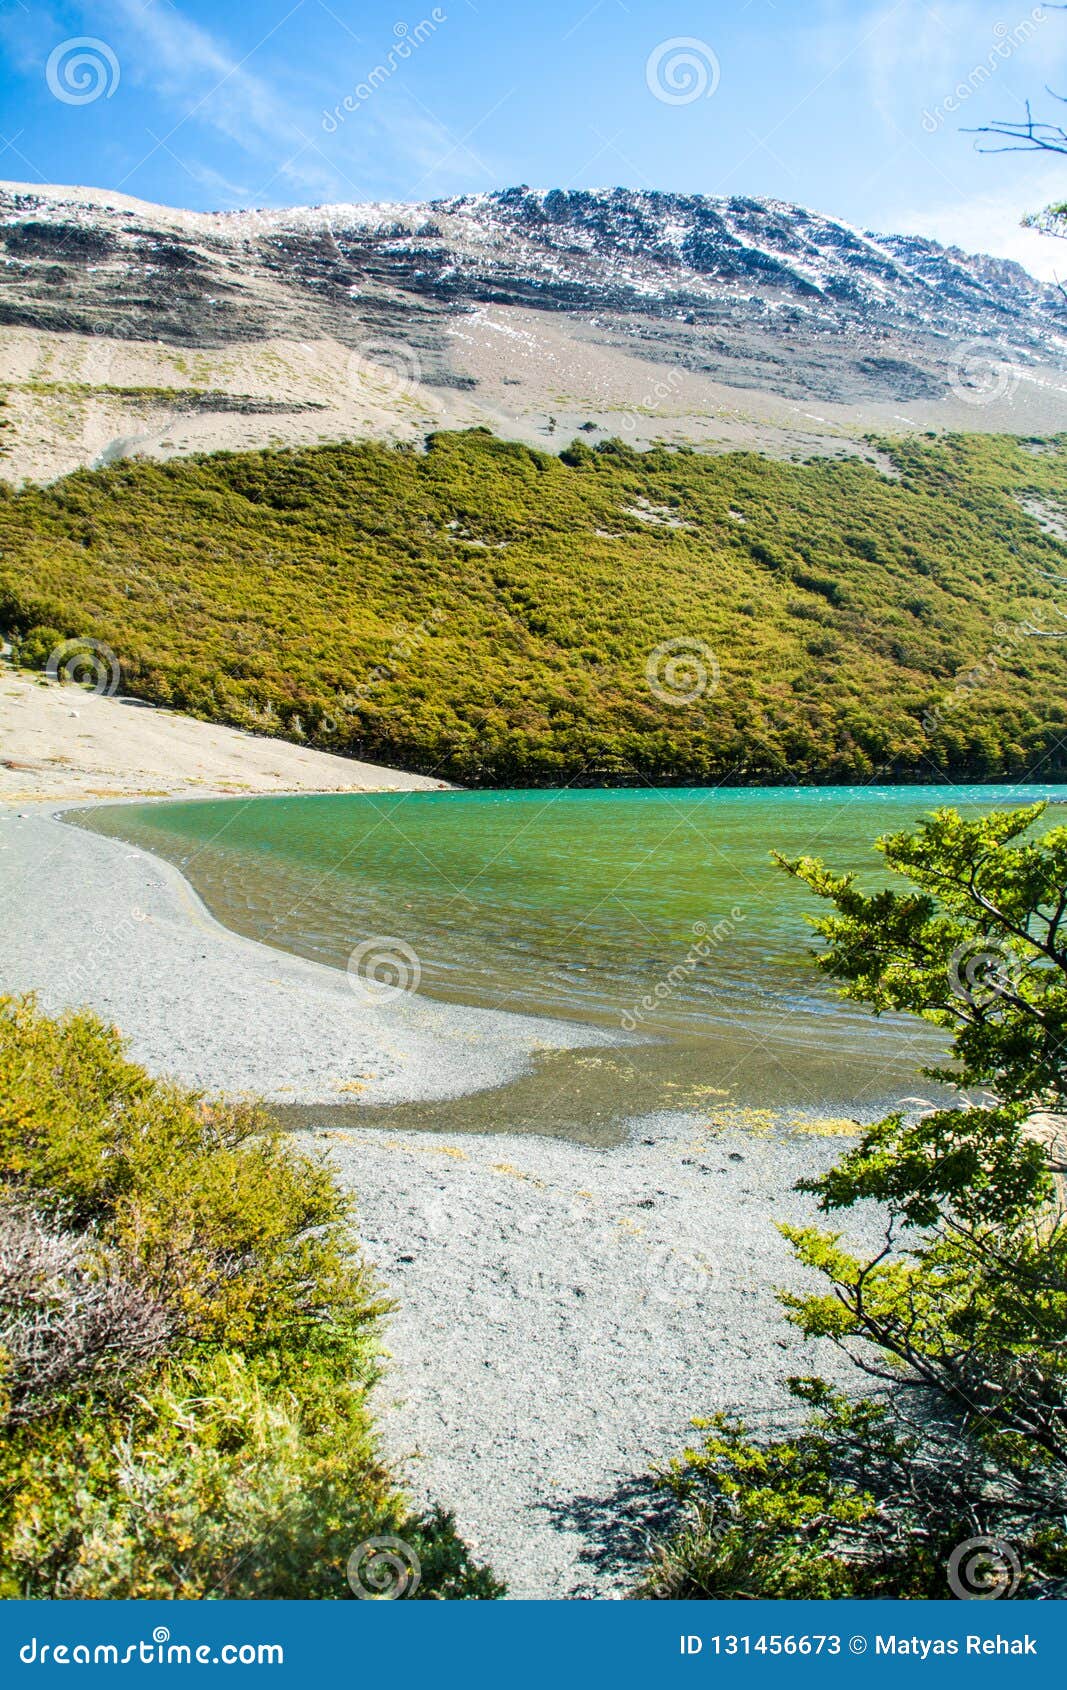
187 1340
954 1479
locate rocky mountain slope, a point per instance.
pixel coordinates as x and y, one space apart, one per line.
651 315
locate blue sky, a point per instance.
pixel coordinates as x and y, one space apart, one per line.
838 104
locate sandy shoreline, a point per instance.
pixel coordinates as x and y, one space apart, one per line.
90 920
62 742
562 1311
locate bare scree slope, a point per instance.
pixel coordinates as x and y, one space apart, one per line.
131 327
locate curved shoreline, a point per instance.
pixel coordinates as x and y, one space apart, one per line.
92 920
303 881
562 1311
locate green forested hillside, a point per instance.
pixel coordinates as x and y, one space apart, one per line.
486 612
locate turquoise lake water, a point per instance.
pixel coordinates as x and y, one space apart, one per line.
657 913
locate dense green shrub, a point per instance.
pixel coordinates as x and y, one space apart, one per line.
961 1314
486 612
33 647
188 1336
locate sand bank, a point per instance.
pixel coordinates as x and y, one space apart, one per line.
64 742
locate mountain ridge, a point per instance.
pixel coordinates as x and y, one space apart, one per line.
652 315
711 242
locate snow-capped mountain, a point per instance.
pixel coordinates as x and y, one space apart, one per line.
571 299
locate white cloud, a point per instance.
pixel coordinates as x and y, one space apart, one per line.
991 223
912 54
278 126
905 36
183 61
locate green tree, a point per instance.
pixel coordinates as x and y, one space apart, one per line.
961 1314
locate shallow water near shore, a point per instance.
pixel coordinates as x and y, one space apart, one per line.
655 917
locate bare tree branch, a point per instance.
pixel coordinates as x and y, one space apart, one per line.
1033 135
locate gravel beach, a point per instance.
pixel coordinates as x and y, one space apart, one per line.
562 1311
562 1315
88 920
